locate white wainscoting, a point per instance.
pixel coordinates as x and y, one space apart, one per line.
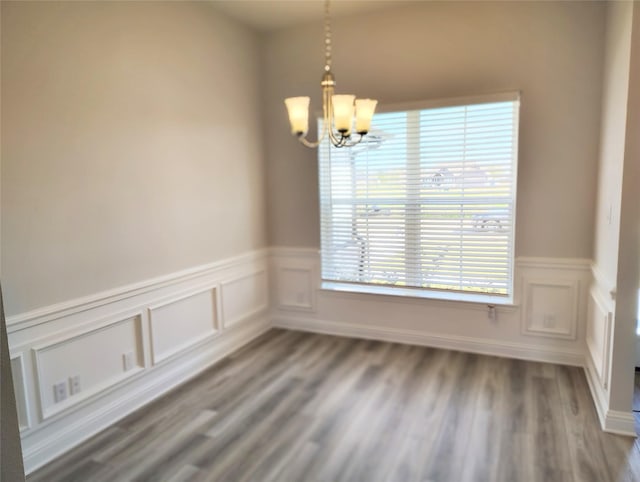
19 377
127 347
175 326
295 279
244 295
550 307
598 337
196 315
75 354
599 333
545 323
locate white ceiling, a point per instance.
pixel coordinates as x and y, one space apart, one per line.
268 15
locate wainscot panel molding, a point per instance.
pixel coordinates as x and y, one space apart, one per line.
244 295
598 392
605 286
295 278
550 307
546 321
157 334
613 421
81 365
71 355
598 337
19 378
601 307
194 312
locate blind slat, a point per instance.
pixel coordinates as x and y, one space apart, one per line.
426 201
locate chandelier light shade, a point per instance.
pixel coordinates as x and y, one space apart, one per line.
298 108
364 113
338 111
343 109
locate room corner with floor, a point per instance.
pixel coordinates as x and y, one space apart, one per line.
193 294
302 406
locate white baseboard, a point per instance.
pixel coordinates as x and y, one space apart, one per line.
621 423
597 391
228 303
459 343
127 400
612 421
128 346
545 288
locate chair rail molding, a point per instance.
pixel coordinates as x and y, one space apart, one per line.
158 333
22 321
83 364
546 321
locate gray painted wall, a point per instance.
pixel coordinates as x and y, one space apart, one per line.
551 51
131 145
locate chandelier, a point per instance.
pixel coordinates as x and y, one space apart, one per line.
338 111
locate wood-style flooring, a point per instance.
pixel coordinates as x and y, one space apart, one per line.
295 406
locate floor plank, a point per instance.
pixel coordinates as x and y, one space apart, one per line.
295 406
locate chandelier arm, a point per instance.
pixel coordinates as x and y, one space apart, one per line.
336 141
313 144
327 112
351 144
304 141
322 135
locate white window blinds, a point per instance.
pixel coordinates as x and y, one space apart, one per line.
426 201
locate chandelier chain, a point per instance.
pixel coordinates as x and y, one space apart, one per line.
327 37
335 125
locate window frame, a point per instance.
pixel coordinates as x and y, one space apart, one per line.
434 293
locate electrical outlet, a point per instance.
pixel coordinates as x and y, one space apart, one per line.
127 359
60 392
491 313
74 383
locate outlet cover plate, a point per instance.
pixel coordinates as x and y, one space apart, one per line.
60 392
74 383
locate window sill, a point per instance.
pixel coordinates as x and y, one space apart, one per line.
505 301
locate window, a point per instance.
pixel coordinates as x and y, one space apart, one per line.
425 205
